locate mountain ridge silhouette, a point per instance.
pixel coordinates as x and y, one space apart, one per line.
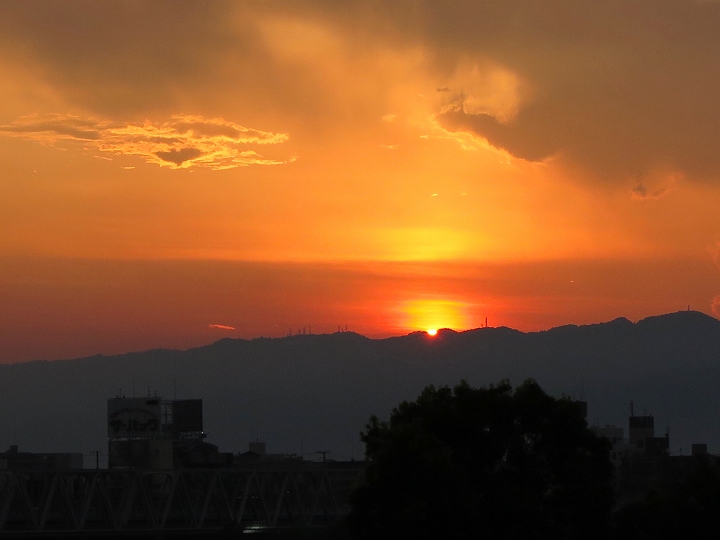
304 392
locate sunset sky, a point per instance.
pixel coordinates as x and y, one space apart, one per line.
172 173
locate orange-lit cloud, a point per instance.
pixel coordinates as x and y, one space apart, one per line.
182 142
611 87
567 151
221 326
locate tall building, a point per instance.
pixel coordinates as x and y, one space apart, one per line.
641 429
616 436
159 434
642 437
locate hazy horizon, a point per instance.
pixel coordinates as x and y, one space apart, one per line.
324 331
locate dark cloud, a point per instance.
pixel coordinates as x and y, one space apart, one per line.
515 137
178 157
640 190
620 87
119 56
641 193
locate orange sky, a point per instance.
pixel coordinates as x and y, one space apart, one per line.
172 173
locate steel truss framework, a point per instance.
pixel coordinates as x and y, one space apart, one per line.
106 501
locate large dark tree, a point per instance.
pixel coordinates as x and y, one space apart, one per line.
484 463
684 505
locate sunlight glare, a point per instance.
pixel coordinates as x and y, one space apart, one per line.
432 314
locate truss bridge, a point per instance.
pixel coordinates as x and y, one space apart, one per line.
128 502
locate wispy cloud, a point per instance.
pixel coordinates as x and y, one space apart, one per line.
640 193
182 142
221 326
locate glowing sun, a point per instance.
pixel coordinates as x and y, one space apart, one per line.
431 314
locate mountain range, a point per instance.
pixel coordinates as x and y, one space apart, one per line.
305 393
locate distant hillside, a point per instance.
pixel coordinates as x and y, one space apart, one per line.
315 392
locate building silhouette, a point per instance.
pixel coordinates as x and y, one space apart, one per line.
159 434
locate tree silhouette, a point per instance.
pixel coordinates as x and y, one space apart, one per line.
682 507
484 463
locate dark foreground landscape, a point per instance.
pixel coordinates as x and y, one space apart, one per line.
611 435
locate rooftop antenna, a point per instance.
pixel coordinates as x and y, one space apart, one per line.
486 322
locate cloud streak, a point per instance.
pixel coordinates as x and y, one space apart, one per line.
182 142
221 327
